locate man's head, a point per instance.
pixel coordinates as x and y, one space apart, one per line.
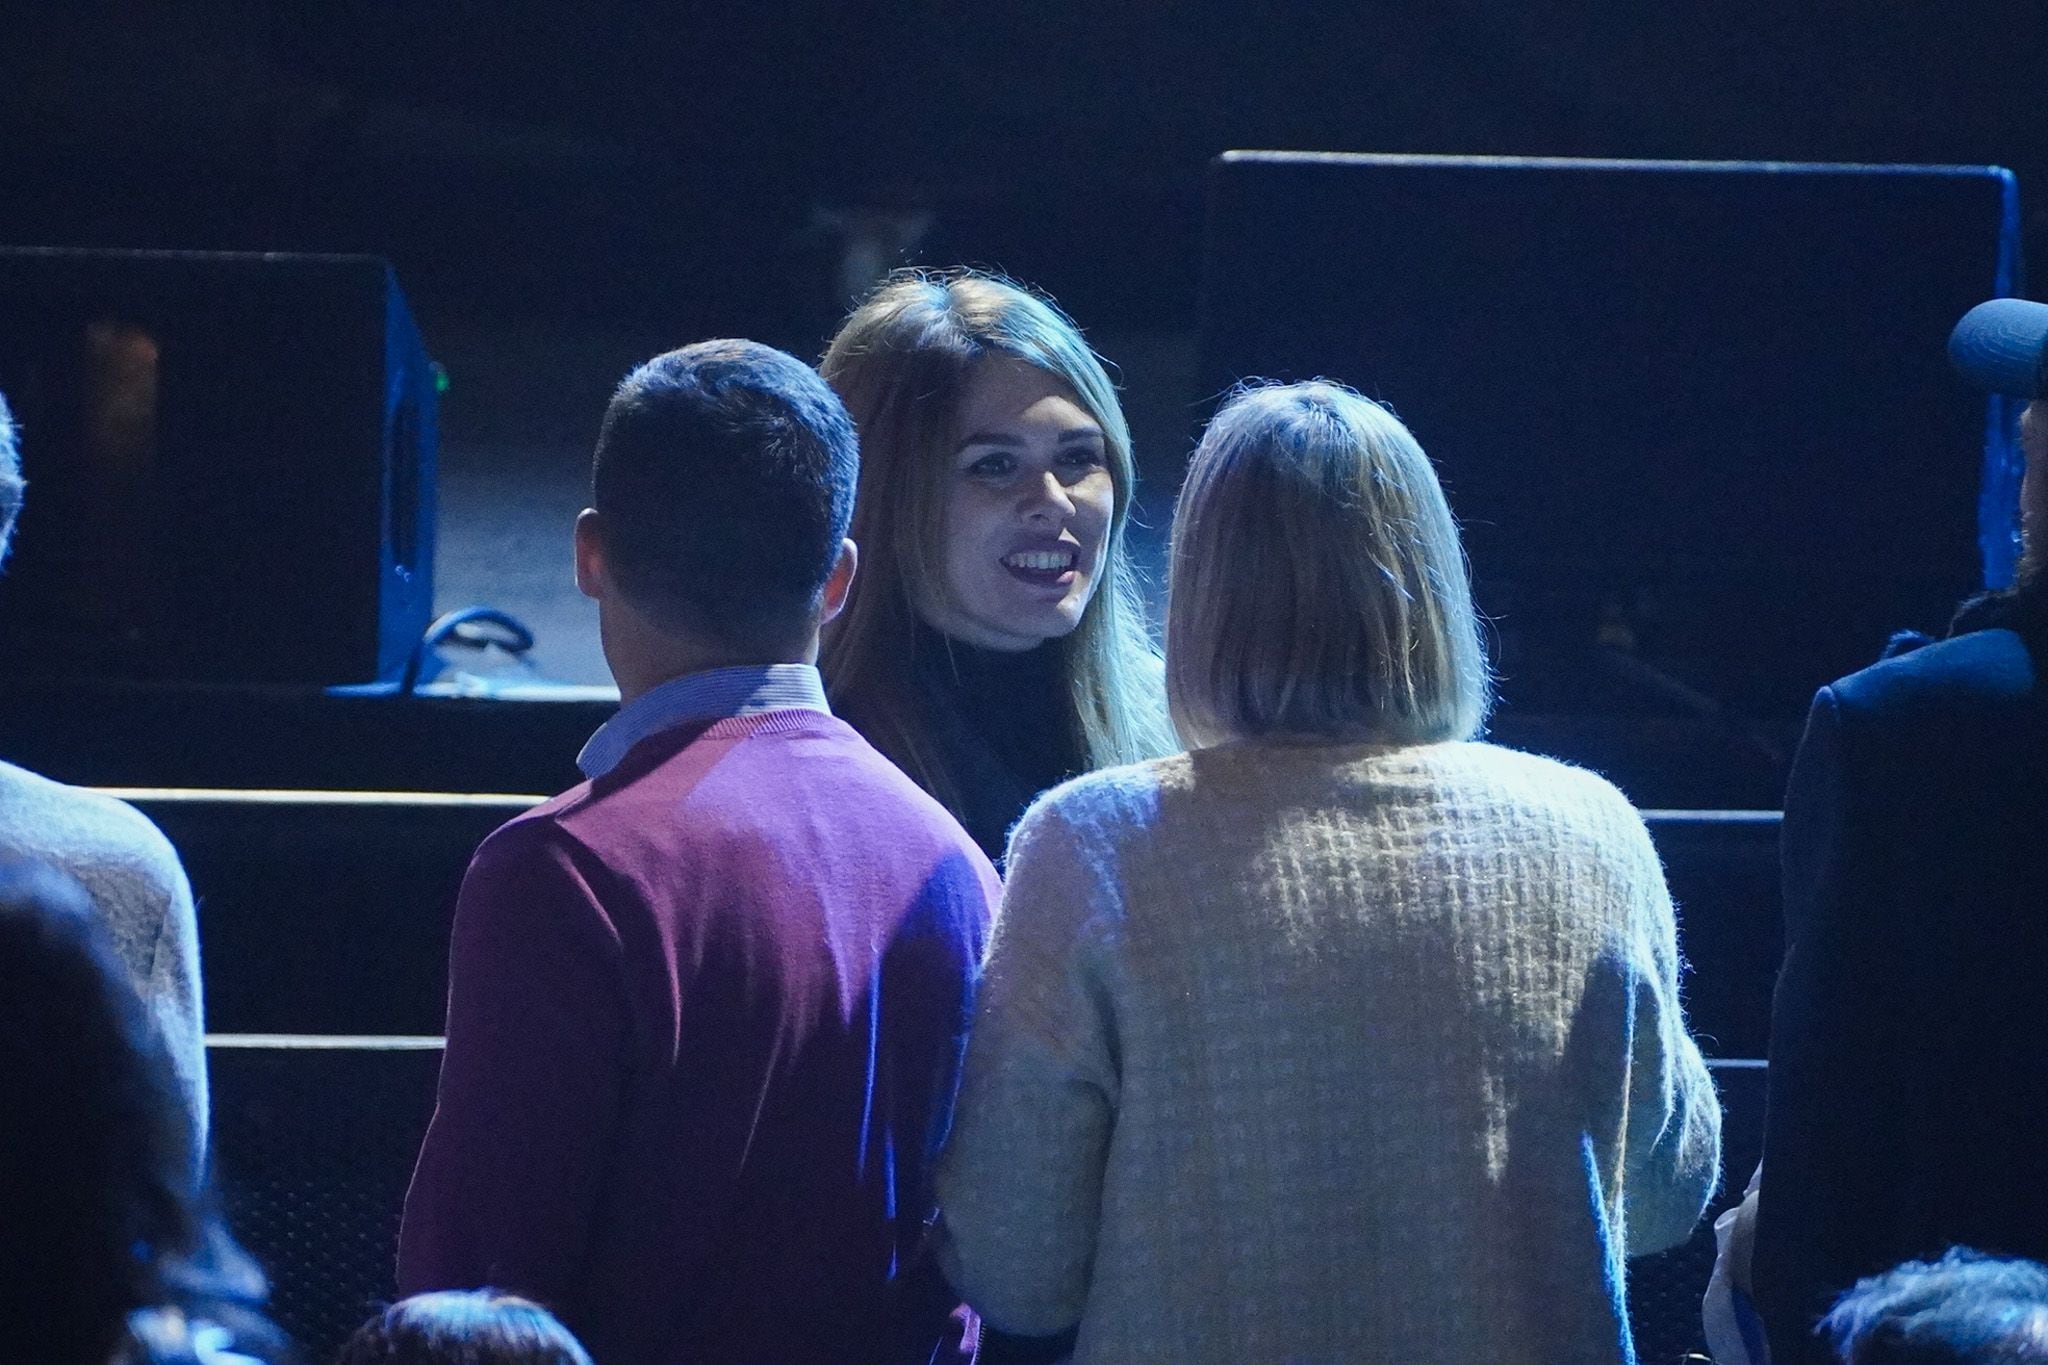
1964 1309
723 487
11 484
2002 347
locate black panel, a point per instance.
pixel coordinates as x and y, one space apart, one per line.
325 918
320 917
189 735
312 1151
230 462
1697 422
1724 877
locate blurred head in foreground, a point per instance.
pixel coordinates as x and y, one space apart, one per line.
469 1327
108 1249
1964 1309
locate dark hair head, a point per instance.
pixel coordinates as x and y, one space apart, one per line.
106 1216
468 1327
724 479
1964 1309
11 484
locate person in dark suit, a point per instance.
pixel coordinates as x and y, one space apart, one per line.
1908 1101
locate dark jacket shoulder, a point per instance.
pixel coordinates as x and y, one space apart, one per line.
1970 704
1965 672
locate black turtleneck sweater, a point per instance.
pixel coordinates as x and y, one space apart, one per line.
1001 723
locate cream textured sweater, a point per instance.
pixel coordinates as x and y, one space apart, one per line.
1328 1054
133 877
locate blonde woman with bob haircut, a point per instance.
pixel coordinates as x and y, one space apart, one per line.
1341 1036
1319 586
994 642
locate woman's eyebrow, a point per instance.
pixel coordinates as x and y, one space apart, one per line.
989 438
1008 440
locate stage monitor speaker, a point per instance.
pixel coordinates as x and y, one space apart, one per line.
1696 418
230 464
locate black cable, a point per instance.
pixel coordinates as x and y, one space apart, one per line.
466 626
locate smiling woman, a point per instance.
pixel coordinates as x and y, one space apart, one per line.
1027 508
993 644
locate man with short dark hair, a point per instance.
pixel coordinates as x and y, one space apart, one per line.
1908 1104
122 860
706 1009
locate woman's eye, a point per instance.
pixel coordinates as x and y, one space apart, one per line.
992 466
1081 457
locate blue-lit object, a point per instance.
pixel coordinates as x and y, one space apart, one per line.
1998 346
1998 497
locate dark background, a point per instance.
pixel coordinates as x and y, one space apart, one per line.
565 189
677 164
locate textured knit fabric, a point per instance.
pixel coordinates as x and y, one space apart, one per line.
1328 1054
704 1028
132 875
1908 1106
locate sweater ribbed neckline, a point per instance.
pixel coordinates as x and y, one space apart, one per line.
786 721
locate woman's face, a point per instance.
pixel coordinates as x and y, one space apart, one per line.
1028 501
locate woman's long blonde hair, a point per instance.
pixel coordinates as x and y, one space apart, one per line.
1318 586
902 362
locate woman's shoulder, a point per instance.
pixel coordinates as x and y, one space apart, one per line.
1534 784
1108 799
1500 763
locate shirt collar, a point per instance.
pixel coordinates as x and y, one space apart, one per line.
715 694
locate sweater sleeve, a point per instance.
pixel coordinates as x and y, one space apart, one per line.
1021 1181
1672 1158
510 1175
173 994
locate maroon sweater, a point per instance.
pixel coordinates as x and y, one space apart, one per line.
705 1017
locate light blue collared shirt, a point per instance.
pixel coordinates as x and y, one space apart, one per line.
715 694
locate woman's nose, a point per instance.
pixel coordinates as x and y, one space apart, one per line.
1048 499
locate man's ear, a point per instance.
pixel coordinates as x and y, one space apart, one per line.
592 580
841 581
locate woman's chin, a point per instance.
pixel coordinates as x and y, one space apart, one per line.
1059 619
1019 624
